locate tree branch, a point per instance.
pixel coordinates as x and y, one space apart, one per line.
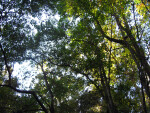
28 92
107 37
6 63
145 6
52 110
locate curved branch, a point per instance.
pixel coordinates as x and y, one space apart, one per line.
52 110
107 37
28 92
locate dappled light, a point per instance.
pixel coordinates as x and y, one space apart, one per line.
74 56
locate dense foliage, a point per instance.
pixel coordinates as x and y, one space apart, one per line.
91 56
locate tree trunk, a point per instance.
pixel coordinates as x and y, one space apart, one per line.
136 51
106 87
52 110
143 101
142 65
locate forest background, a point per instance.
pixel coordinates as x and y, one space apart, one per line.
94 57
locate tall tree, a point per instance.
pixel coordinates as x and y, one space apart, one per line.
105 43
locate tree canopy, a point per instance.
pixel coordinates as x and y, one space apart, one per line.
91 56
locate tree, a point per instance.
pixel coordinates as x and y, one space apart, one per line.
13 40
98 17
99 44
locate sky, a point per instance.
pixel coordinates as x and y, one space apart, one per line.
24 71
25 74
